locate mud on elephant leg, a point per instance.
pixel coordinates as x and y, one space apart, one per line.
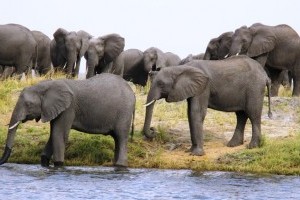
238 136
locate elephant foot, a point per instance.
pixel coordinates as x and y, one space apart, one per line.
235 142
121 164
58 164
121 169
196 151
254 144
45 161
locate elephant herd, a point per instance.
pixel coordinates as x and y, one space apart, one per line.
230 76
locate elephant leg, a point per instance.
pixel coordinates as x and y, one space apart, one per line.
256 132
60 128
47 153
296 83
121 138
238 136
196 115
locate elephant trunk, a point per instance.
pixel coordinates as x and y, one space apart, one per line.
18 116
148 132
9 142
90 70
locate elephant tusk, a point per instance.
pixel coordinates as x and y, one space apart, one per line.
226 56
13 126
148 104
237 54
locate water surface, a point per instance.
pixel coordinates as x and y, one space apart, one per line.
20 181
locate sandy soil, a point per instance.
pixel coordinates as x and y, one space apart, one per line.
284 123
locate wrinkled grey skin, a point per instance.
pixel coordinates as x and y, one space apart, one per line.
104 104
191 57
275 47
218 48
225 85
130 65
101 53
155 59
67 49
43 64
18 48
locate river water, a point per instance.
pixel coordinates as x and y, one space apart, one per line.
33 182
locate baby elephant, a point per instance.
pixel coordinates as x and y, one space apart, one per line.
103 104
235 84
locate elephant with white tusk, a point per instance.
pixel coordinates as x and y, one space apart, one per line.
104 104
225 85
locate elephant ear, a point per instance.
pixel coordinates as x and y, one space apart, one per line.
262 42
60 34
57 98
113 45
188 83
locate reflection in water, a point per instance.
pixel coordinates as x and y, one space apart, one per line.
35 182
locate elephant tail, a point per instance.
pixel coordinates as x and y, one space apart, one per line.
269 97
132 126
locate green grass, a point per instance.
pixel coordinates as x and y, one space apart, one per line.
275 156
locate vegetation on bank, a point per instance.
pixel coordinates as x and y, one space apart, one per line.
278 155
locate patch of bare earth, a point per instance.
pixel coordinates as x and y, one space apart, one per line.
219 127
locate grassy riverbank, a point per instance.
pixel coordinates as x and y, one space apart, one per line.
280 153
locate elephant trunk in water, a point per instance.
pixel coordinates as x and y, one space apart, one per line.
16 119
9 141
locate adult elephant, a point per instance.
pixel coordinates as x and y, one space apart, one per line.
191 57
218 48
67 49
18 48
155 59
101 53
224 85
130 65
276 47
43 63
106 107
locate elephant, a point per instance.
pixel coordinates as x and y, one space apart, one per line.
191 57
103 104
43 65
130 65
224 85
218 48
101 53
155 59
18 48
277 48
67 49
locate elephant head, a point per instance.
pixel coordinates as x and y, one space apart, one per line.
68 48
173 84
253 41
218 48
154 59
44 101
101 52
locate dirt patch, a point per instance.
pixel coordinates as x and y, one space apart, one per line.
219 127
